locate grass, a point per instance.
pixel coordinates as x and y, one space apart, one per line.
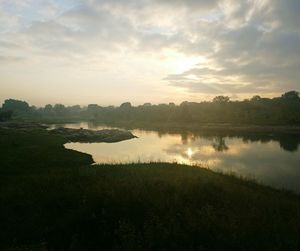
52 199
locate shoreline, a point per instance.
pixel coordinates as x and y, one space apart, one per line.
167 126
193 127
142 200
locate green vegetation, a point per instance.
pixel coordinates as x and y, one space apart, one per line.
5 115
284 110
52 199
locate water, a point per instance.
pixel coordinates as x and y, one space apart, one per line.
271 159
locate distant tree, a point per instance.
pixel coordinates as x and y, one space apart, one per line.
184 112
92 110
33 108
75 109
126 105
221 99
48 108
256 98
93 107
291 95
15 105
6 115
59 109
147 104
184 103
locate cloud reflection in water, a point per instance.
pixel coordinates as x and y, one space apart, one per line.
272 159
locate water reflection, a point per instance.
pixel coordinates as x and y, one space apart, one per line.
273 159
189 153
220 145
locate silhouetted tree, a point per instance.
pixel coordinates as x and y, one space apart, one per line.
75 109
221 99
185 114
255 98
126 105
93 107
6 115
283 110
291 95
59 109
93 110
15 105
48 108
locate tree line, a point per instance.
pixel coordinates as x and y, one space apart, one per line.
283 110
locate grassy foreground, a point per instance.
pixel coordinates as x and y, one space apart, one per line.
52 199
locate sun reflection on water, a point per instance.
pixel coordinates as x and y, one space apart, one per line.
244 155
189 152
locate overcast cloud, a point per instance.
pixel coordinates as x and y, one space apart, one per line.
109 51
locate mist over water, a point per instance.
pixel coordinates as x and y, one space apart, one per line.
268 159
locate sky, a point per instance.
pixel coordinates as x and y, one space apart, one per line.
159 51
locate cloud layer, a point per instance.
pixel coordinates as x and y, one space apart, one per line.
161 48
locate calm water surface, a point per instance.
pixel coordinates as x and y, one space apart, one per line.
273 160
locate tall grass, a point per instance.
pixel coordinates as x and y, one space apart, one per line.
52 199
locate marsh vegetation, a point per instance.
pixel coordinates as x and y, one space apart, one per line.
52 199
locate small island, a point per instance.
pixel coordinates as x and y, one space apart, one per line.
91 136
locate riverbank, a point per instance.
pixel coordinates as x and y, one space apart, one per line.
73 135
52 198
174 126
205 127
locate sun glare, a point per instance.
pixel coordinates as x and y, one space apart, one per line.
189 152
178 62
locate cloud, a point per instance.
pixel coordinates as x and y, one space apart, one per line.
244 46
8 59
252 56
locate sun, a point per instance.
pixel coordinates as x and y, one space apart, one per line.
178 62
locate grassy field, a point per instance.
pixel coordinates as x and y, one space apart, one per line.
51 198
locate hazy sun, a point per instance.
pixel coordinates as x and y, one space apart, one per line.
178 62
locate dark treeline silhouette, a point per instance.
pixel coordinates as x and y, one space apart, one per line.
284 110
5 115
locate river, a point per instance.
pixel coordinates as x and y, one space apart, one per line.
270 159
